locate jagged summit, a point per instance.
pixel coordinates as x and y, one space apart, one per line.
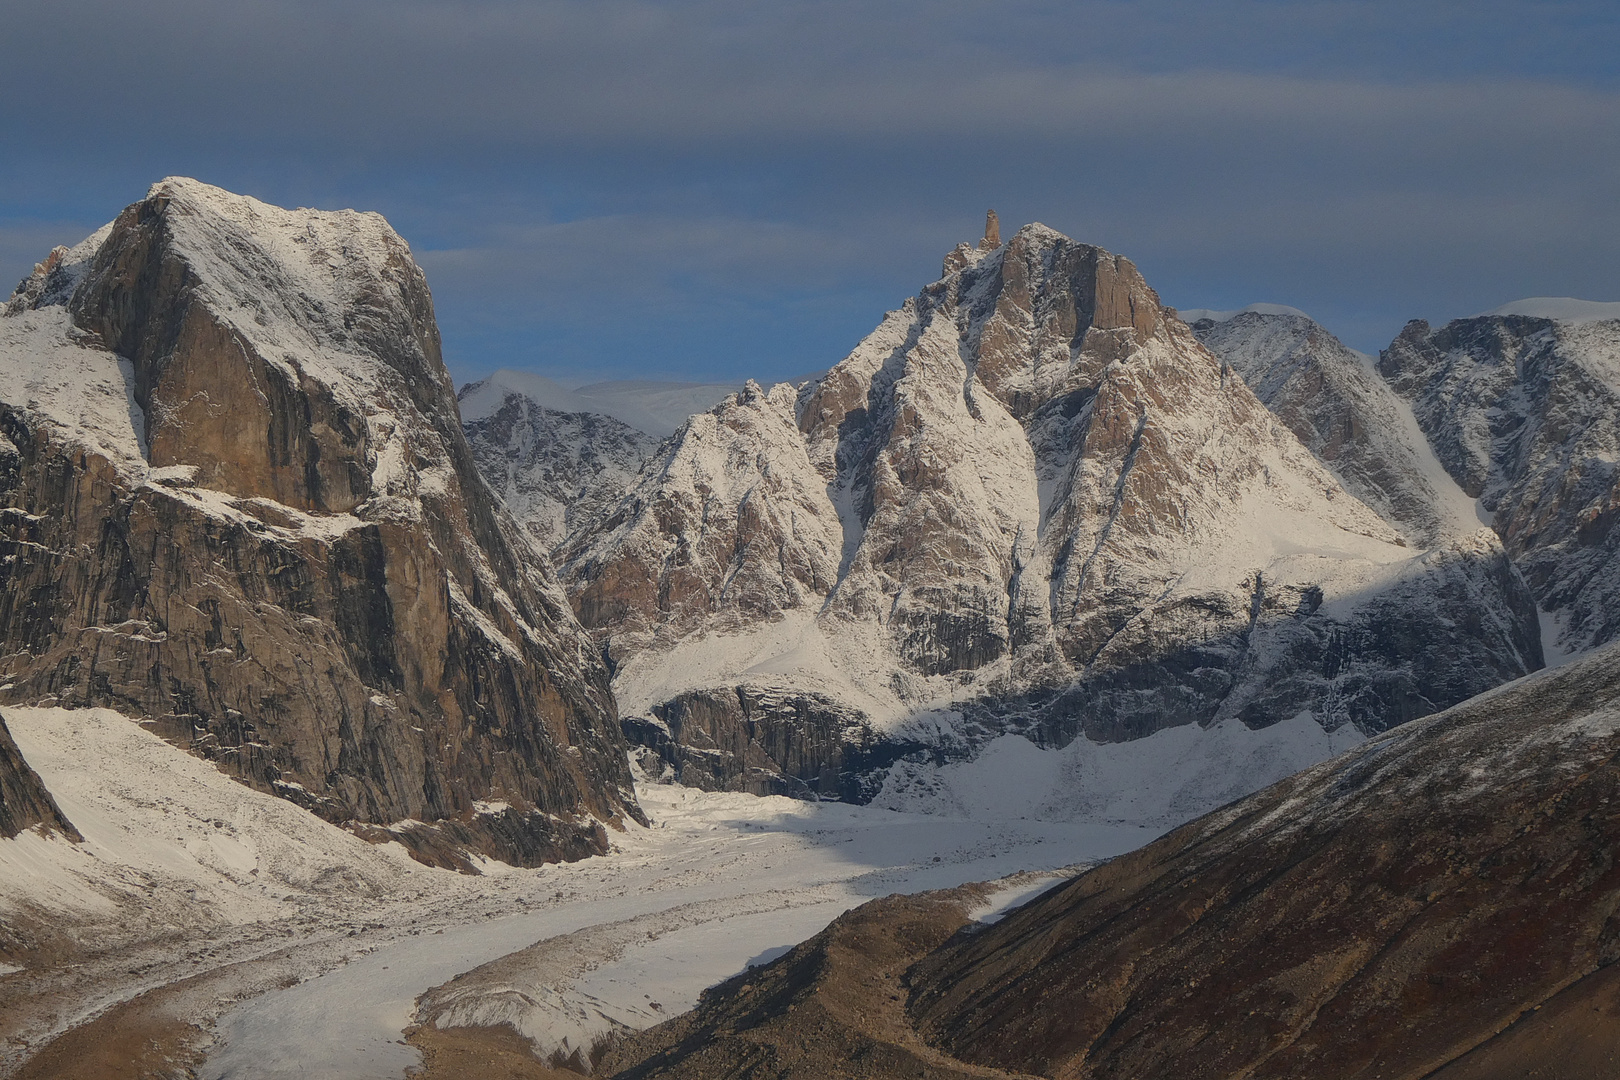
1193 316
1031 491
263 530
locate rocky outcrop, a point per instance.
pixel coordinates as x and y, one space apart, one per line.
1031 500
238 502
1524 412
1369 663
764 742
24 801
1332 399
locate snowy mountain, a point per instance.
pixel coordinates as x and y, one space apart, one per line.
1334 400
1030 501
238 503
655 408
561 459
1524 412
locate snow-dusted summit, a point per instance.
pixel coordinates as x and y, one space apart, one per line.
562 458
1030 500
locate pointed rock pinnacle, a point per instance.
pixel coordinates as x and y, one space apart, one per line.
992 232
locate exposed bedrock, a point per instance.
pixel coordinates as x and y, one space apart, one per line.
24 801
1524 413
765 742
293 566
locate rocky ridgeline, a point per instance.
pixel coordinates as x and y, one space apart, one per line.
238 503
1331 397
1524 412
558 472
1033 501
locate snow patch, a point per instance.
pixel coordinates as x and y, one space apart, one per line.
1157 782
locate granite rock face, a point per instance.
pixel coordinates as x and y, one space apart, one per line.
1032 500
24 801
1524 412
765 743
238 502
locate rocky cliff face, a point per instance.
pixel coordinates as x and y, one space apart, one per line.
24 802
1331 397
765 743
238 502
1032 484
1524 412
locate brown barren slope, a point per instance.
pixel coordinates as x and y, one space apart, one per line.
1382 914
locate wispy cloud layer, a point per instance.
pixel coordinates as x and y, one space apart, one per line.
752 183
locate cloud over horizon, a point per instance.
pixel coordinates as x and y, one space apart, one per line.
719 189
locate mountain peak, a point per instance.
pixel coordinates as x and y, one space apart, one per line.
1192 315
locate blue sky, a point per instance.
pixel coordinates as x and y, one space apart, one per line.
717 190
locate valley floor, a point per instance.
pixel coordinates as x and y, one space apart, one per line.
216 928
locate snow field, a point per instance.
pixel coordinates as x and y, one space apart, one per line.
177 852
719 881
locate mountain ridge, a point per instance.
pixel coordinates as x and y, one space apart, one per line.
1032 476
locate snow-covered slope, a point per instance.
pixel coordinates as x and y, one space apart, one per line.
1333 399
235 497
728 525
1524 411
1030 500
561 459
557 472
